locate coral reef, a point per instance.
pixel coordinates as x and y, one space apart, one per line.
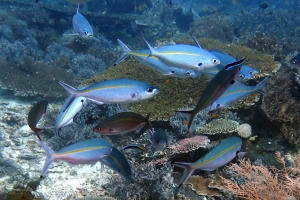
249 181
213 26
245 131
218 126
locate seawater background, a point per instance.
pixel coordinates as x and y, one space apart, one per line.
34 53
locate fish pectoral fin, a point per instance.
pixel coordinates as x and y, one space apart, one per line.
241 154
97 102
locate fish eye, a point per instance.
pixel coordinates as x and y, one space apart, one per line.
188 73
82 100
251 72
215 60
218 105
150 90
241 75
199 64
98 129
173 72
85 32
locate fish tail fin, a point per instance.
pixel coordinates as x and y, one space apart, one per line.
49 159
151 50
190 115
148 122
125 51
71 90
187 171
262 84
95 38
235 63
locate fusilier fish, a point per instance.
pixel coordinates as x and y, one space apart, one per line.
215 158
67 113
159 139
295 61
214 89
113 91
72 1
35 114
236 92
123 122
153 62
246 72
118 162
84 152
81 26
184 56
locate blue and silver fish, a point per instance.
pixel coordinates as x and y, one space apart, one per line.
159 139
246 72
117 162
295 61
153 62
184 56
214 89
113 91
215 158
84 152
236 92
67 113
81 26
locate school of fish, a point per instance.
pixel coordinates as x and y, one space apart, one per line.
179 60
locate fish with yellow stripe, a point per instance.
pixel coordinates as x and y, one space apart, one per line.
215 158
123 122
153 62
118 163
67 113
214 89
84 152
236 92
184 56
112 91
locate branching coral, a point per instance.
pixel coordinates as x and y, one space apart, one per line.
255 182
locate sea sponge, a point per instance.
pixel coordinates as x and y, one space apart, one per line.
245 131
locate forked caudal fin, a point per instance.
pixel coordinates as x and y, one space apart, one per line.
71 90
125 52
151 51
49 159
190 115
187 171
262 84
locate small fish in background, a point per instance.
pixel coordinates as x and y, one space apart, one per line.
295 61
236 92
35 114
123 122
172 2
67 113
214 89
159 139
118 163
84 152
113 91
133 146
215 158
264 5
81 26
153 62
184 56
